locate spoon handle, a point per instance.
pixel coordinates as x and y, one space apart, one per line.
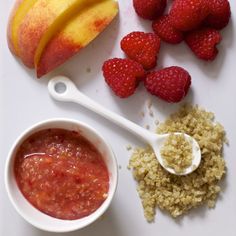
72 94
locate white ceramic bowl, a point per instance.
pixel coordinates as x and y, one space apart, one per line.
34 216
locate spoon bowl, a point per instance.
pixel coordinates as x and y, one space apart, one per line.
63 89
158 142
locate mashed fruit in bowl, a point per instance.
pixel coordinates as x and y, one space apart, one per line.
61 174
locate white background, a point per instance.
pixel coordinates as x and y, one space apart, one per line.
25 101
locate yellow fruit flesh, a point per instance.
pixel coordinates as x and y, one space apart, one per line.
74 8
82 29
21 12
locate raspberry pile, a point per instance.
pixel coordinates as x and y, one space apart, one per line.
195 22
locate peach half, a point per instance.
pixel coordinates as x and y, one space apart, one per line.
45 33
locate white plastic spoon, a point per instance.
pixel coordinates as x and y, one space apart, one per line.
63 89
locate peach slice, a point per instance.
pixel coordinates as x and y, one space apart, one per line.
18 13
41 23
76 34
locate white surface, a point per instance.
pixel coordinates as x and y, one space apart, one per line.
30 213
25 101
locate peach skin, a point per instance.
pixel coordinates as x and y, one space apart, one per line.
19 11
40 24
76 34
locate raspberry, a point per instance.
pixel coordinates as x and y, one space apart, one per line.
164 29
219 14
188 14
203 43
149 9
122 76
142 47
170 84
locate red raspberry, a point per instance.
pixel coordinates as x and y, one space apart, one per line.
219 14
164 29
123 75
149 9
142 47
170 84
203 43
188 14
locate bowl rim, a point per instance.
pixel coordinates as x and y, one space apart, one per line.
8 165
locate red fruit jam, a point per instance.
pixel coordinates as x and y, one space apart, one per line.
61 174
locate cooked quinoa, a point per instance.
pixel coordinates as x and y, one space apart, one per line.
177 153
178 194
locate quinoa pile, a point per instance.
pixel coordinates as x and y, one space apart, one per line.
177 153
178 194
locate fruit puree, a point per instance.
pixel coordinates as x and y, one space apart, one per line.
61 174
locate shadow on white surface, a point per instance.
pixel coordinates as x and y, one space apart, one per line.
106 225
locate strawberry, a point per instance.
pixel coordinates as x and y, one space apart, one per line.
123 76
203 43
170 84
149 9
142 47
219 14
164 29
188 14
